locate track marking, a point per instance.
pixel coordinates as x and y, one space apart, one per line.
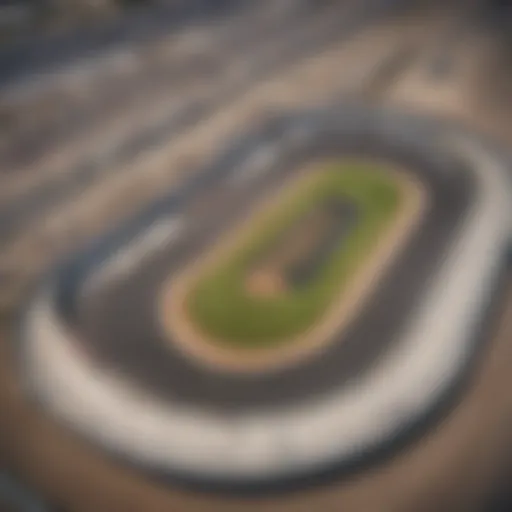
257 165
124 261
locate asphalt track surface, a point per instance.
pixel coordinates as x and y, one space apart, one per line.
15 497
444 173
118 323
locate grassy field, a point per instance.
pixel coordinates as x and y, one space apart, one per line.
219 303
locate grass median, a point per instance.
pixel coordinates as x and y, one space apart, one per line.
219 303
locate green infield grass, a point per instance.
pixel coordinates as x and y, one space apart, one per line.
221 306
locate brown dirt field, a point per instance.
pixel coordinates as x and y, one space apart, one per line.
267 277
265 282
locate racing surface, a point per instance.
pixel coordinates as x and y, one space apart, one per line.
118 325
135 388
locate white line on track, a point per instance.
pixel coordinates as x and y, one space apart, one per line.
154 239
257 165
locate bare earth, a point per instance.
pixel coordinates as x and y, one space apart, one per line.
267 278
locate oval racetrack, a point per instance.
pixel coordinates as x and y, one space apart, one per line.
94 351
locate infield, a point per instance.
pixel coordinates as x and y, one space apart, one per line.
276 287
357 196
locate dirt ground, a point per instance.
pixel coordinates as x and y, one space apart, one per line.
268 277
